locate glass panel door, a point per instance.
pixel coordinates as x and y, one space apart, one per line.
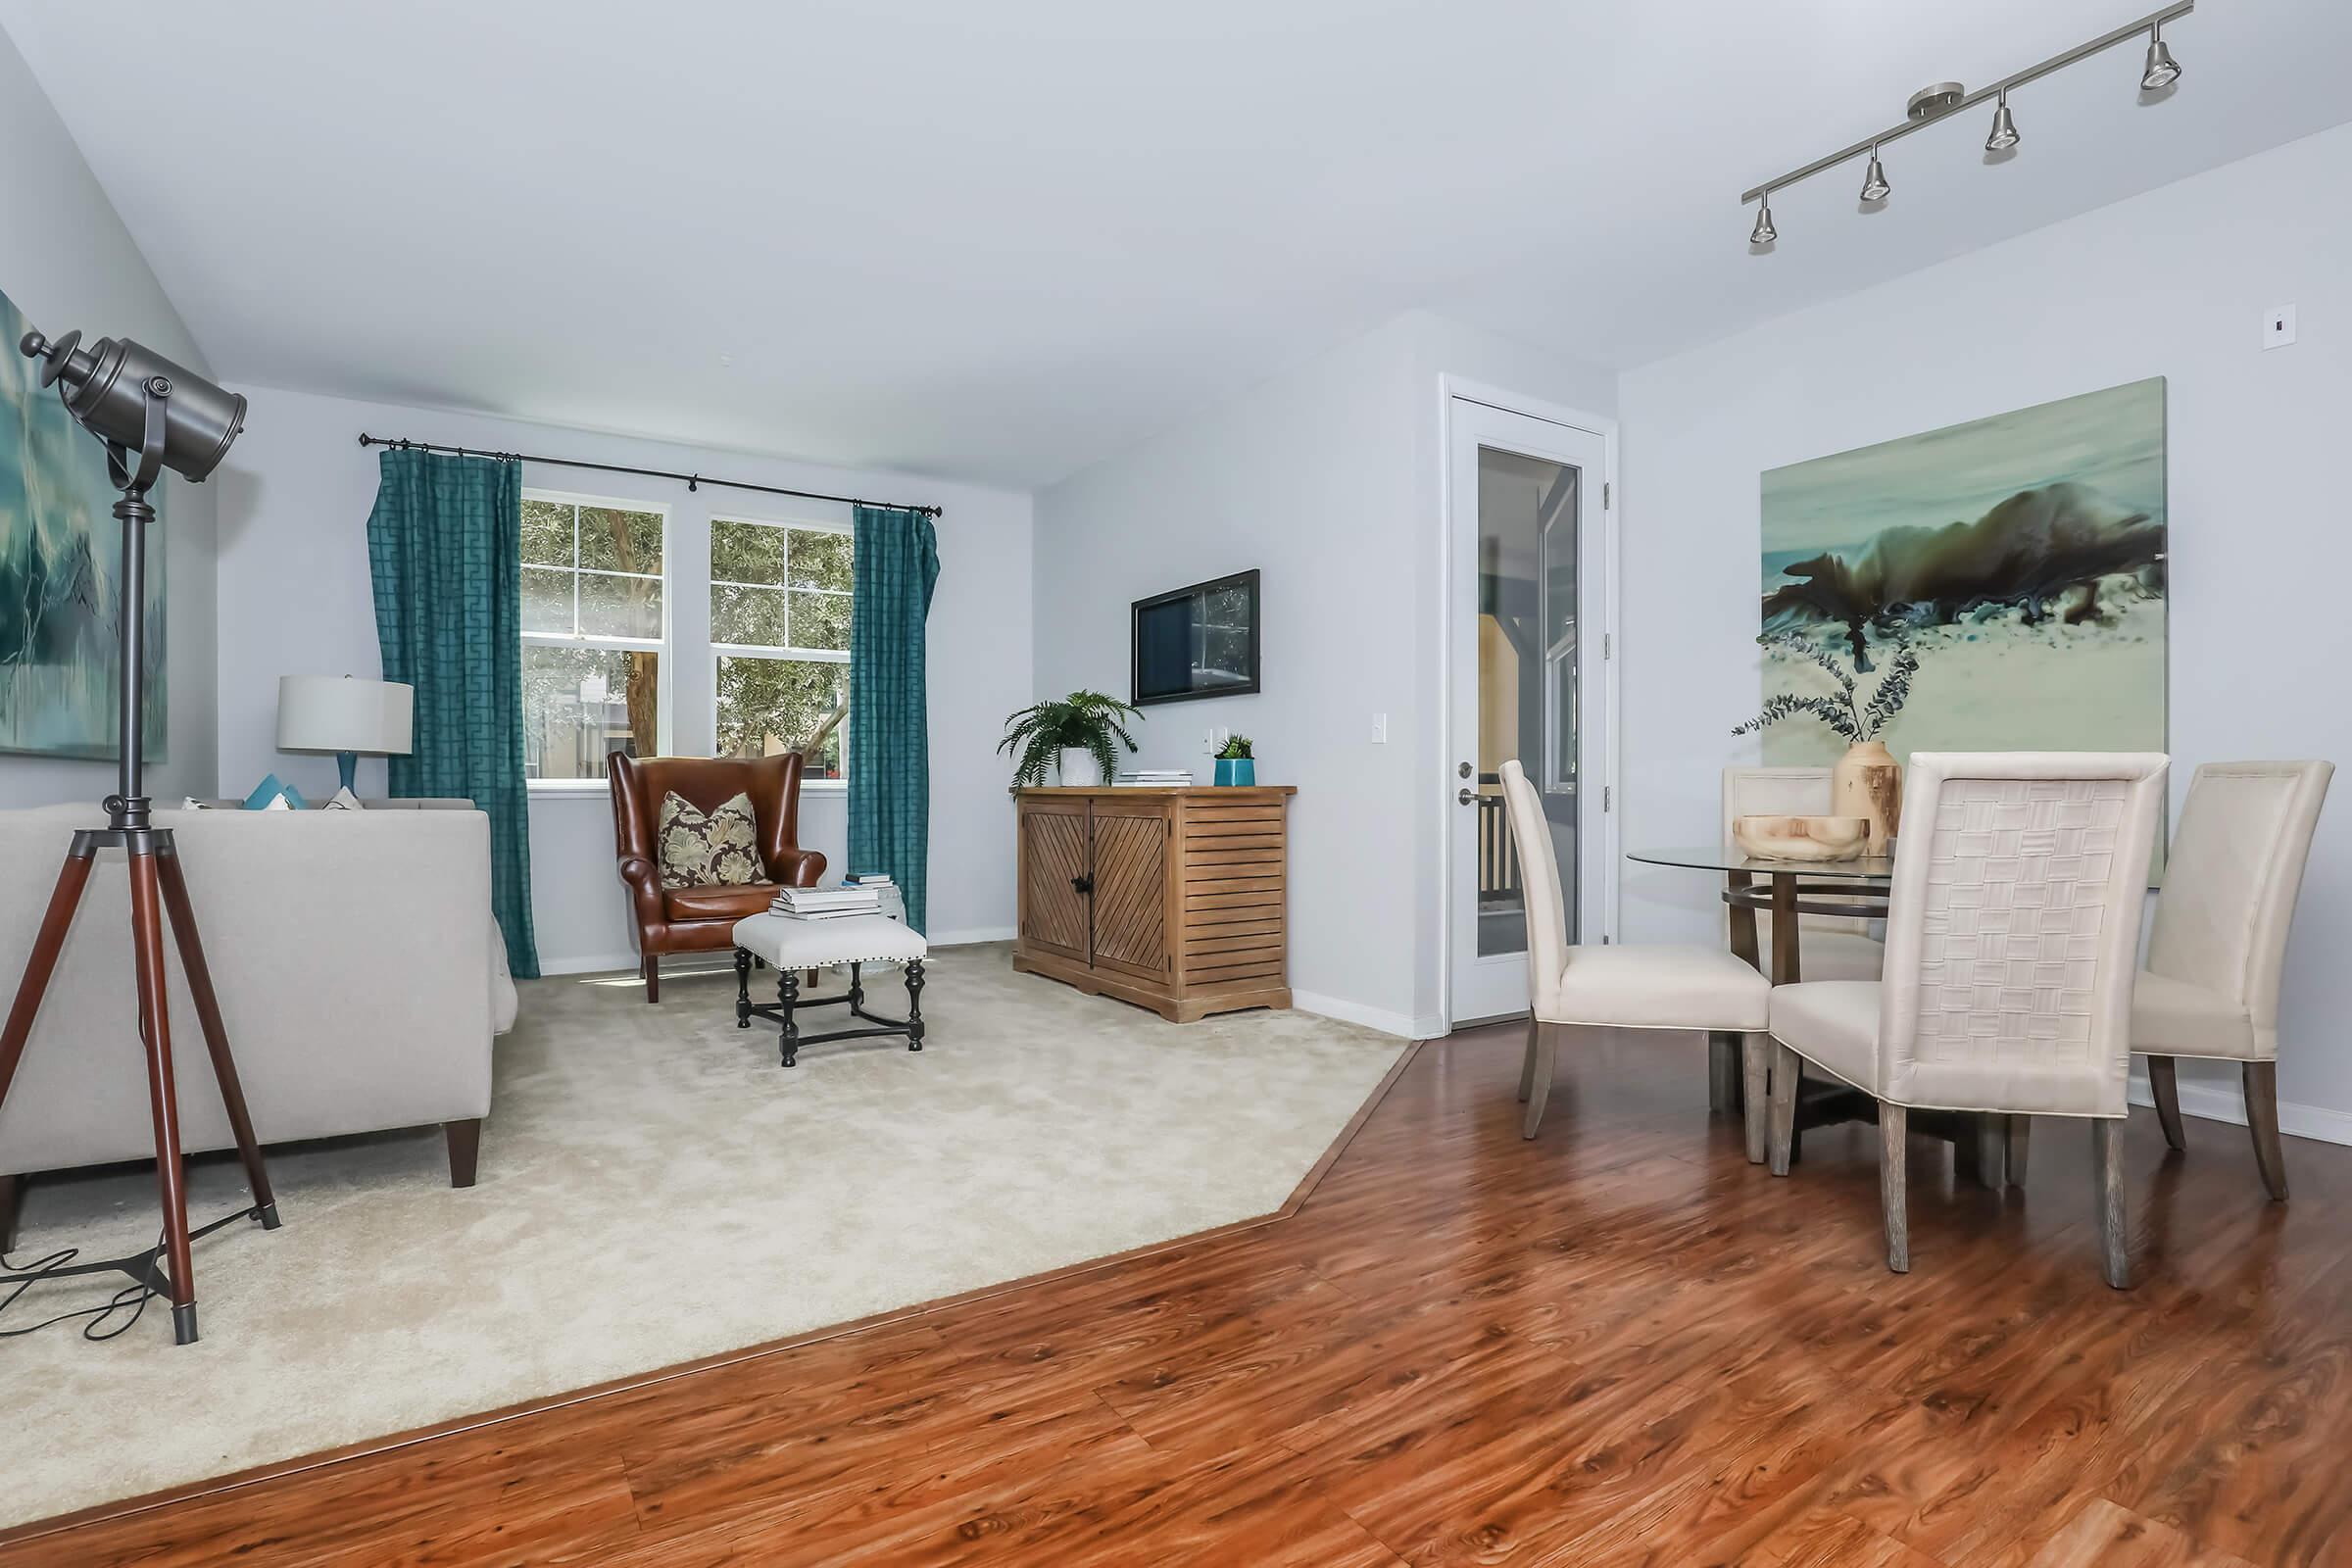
1525 518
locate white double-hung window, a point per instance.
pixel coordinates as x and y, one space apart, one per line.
780 641
595 626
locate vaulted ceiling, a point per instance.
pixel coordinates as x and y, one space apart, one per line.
1000 241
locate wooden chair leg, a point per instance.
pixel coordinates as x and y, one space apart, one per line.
1547 1051
12 1198
1894 1183
1722 1071
1527 1061
2021 1131
1756 1075
1992 1149
465 1139
2164 1087
2107 1165
1780 1130
653 977
2261 1081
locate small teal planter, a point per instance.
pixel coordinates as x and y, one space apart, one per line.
1237 771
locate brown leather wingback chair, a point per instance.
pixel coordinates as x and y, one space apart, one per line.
702 919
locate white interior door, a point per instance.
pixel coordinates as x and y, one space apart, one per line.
1527 588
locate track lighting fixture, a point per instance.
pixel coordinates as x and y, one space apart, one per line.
2004 129
1936 102
1873 179
2162 70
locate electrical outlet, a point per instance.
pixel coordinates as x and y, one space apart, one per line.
1380 729
2277 326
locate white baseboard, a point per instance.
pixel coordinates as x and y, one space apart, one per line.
588 963
2224 1102
1380 1019
958 939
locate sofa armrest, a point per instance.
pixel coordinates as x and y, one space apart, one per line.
797 868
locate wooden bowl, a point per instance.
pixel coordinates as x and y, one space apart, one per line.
1803 838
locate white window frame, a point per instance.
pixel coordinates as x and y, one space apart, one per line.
654 645
784 652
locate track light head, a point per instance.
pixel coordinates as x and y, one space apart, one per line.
1873 179
1763 234
2162 70
2004 129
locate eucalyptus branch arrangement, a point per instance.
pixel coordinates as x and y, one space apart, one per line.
1084 721
1856 721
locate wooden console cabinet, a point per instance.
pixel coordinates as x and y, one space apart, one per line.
1171 899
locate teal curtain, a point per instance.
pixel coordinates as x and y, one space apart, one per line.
895 564
444 551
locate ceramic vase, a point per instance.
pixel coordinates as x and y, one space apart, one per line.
1077 768
1241 770
1868 782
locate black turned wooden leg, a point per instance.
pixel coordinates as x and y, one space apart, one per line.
743 988
653 977
788 995
464 1140
856 989
915 1003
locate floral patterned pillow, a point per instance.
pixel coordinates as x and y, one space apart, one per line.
716 849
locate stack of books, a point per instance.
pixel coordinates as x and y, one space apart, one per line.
828 904
1155 778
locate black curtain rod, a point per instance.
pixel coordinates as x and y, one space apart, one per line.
692 481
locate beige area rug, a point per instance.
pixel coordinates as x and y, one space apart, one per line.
654 1189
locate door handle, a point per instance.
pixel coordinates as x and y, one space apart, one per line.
1466 796
1082 884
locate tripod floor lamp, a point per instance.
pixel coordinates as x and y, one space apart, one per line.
150 414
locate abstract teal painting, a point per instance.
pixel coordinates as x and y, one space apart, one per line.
61 570
2023 559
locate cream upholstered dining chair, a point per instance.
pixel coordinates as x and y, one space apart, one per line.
2012 932
2211 985
1609 985
1835 947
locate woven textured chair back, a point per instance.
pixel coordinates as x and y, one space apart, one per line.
2013 929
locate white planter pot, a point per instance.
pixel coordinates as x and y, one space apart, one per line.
1075 767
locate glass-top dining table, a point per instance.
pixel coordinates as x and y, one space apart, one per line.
1854 888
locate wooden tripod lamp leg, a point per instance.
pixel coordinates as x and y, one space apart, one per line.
46 945
162 1093
216 1034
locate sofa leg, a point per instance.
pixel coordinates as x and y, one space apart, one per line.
465 1148
653 976
12 1193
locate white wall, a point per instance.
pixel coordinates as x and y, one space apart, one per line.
2170 283
1325 479
295 599
67 262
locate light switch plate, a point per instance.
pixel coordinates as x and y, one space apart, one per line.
2277 326
1380 729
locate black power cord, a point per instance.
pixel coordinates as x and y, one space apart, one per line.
132 1298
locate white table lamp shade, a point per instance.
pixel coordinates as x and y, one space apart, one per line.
344 713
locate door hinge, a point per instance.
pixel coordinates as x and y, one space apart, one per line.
1606 795
1604 495
1608 644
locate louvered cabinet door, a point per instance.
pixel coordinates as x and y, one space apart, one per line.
1131 888
1053 878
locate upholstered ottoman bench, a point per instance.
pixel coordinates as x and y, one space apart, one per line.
791 946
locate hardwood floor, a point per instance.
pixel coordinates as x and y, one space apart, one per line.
1618 1343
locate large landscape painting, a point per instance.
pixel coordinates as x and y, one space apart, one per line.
2023 556
61 566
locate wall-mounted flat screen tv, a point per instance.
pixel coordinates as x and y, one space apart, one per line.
1200 641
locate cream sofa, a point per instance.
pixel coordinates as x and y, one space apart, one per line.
361 974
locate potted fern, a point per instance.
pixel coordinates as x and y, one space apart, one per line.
1867 781
1079 735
